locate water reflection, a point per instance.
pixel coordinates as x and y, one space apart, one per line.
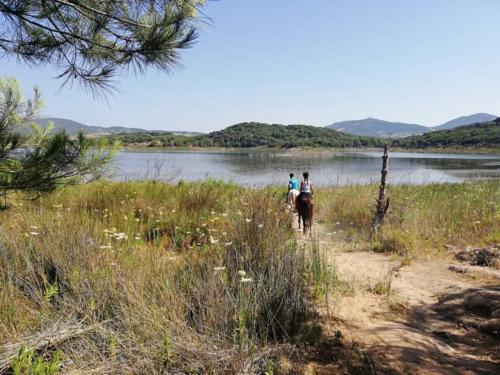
340 168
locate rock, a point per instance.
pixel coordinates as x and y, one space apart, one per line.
486 256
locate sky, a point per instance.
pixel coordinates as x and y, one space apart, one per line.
306 62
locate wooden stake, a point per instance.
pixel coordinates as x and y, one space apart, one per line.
382 203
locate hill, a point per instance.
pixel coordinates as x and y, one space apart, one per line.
73 127
485 134
254 134
466 120
378 128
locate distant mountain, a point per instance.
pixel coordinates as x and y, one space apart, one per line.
73 127
484 135
466 120
378 128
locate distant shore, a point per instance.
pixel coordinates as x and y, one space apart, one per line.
296 151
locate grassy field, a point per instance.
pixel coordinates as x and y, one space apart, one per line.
200 278
191 278
421 220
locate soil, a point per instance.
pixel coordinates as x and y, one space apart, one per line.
421 318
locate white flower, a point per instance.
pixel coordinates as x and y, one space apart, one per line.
245 280
120 236
173 211
224 214
34 233
213 240
248 220
219 268
137 237
105 247
228 243
242 273
261 225
33 227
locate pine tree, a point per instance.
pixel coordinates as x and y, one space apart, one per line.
91 41
39 163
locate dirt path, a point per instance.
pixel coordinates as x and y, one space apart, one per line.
412 319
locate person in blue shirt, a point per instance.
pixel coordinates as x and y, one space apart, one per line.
293 183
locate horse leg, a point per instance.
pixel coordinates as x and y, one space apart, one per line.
298 215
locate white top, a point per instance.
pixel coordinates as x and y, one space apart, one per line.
305 187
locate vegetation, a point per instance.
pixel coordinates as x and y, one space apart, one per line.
421 219
91 41
191 278
41 163
482 135
254 134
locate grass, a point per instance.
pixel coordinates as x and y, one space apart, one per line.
200 277
421 219
191 278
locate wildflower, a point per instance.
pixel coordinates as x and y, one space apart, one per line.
245 280
203 225
137 238
228 243
125 217
137 219
224 233
171 258
261 225
188 232
224 214
242 273
337 223
173 211
105 247
120 236
248 220
34 233
239 213
33 227
219 268
213 240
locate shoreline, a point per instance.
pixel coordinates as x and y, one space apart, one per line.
296 151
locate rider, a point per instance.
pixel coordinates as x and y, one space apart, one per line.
293 183
306 188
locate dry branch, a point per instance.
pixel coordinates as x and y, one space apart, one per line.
382 203
52 336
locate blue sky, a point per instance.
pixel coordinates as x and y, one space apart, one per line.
307 61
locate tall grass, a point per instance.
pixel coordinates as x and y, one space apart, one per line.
192 278
421 219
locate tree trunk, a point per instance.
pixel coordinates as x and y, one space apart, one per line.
382 203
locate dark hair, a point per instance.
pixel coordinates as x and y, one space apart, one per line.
306 175
291 175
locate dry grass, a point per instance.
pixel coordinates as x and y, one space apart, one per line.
194 278
421 219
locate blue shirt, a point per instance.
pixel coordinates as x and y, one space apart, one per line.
293 183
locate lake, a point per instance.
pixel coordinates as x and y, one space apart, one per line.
257 168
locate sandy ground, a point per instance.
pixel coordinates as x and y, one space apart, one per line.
417 324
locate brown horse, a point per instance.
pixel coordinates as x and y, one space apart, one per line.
305 209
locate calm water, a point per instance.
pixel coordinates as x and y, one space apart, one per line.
262 168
